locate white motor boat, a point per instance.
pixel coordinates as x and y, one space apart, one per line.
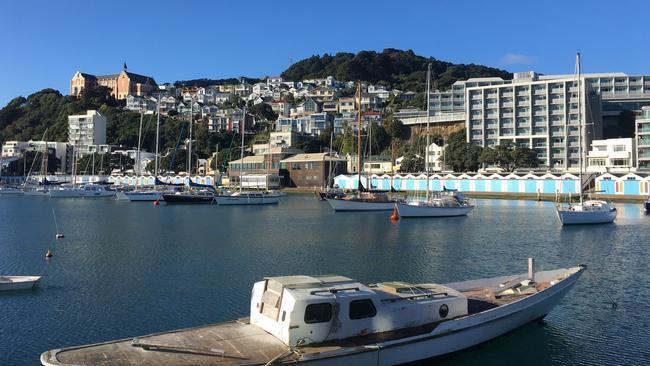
144 195
433 208
248 198
36 191
334 320
587 212
86 191
364 201
18 282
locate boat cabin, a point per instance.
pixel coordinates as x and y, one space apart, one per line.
301 310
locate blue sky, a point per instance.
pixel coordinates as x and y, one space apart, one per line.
45 42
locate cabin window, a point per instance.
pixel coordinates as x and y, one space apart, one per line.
318 313
360 309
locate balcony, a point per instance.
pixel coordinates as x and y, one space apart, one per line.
507 105
644 142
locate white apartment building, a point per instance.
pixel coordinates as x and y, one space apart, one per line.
612 155
435 157
643 139
87 131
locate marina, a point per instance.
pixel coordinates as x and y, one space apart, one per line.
156 269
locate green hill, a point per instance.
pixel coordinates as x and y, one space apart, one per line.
399 69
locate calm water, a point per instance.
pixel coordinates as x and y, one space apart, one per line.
130 269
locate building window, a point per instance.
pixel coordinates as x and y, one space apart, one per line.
318 313
360 309
619 162
619 148
597 162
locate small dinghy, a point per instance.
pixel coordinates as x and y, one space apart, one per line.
18 282
335 320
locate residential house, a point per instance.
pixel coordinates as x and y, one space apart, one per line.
141 104
331 106
612 156
347 105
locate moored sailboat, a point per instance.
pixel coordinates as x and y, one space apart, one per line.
590 211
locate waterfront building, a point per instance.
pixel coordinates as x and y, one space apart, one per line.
612 155
87 131
122 84
436 159
312 170
288 138
643 139
17 149
377 165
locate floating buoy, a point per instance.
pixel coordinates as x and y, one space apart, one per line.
395 215
48 254
156 202
60 236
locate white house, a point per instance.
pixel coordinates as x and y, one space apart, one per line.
612 155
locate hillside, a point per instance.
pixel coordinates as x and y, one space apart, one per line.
399 69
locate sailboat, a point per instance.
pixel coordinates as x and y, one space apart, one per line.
192 196
31 187
73 191
329 191
589 211
363 200
443 204
248 197
147 195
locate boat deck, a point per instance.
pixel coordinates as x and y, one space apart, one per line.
232 343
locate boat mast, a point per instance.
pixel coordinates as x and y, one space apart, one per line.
579 124
426 149
358 97
189 149
137 162
216 165
329 167
155 170
241 161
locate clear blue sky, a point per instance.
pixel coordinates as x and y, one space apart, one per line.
45 42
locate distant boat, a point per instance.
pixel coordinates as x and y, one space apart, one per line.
334 320
18 282
591 211
144 195
10 191
248 198
362 201
85 191
189 197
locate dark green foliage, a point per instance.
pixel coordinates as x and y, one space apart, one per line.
412 163
393 68
104 163
207 82
33 160
460 155
262 111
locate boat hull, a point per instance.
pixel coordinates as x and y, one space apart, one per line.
245 200
412 211
173 199
568 217
352 205
144 196
11 283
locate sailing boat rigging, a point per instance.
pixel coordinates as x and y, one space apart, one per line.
589 211
443 205
147 195
362 200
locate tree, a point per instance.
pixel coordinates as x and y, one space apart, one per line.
412 163
460 155
509 157
263 111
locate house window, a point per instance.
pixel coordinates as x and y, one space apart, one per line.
360 309
318 313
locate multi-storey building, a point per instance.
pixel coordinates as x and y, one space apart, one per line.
87 131
313 124
612 155
643 139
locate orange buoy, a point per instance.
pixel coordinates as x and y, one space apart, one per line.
156 203
395 215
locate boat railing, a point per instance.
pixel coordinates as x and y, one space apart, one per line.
334 290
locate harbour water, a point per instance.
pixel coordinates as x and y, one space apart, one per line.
127 269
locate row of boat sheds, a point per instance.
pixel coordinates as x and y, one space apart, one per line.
629 184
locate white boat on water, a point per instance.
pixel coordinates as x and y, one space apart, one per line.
444 206
587 212
590 211
18 282
86 191
334 320
363 201
10 191
144 195
248 198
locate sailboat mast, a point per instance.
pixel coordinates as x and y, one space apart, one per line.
359 133
157 139
578 70
241 161
329 167
216 164
426 148
137 162
189 149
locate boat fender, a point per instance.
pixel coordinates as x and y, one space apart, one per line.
443 311
48 254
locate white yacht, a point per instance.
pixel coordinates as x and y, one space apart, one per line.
362 201
334 320
590 211
248 198
441 206
85 191
140 195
